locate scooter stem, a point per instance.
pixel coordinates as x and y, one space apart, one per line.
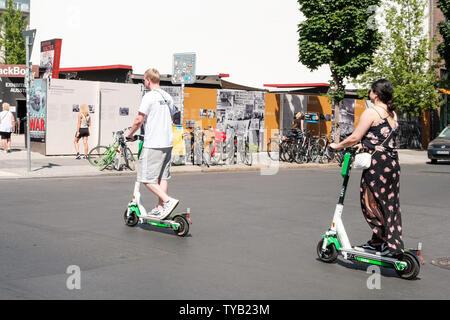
137 198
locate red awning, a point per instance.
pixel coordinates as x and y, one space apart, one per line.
297 85
79 69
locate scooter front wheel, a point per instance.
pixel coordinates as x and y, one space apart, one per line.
130 219
412 269
328 255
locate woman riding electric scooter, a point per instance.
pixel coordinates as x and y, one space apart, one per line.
380 183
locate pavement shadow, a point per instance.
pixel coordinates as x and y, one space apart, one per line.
49 166
439 163
149 227
360 266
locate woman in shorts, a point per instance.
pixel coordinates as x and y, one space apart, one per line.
83 124
7 123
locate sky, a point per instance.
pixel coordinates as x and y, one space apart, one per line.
254 41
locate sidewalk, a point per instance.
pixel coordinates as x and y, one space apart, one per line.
14 165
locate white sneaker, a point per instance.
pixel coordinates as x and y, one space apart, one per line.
154 212
168 208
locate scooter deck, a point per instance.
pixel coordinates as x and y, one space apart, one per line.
372 257
166 223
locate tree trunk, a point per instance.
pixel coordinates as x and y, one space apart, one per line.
336 107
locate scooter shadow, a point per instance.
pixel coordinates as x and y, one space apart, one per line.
148 227
356 265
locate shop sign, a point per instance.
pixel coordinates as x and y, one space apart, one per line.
15 70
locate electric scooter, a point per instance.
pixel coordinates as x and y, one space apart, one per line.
136 212
335 241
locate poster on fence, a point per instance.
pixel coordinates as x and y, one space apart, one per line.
38 110
178 142
178 150
346 118
243 111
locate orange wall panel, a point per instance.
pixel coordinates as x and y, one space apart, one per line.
272 116
196 99
360 106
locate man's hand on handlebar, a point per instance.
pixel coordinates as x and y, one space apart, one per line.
130 138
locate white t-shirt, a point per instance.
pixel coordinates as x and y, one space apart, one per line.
158 106
6 121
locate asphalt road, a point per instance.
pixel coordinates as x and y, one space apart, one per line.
253 237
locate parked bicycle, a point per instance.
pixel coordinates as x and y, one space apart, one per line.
117 155
217 151
279 148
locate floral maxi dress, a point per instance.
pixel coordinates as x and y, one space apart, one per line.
380 187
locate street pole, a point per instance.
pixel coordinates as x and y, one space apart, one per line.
28 37
27 86
182 104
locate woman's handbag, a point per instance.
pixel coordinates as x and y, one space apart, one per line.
363 160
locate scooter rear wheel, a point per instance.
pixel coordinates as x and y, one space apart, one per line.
412 269
329 255
130 220
183 230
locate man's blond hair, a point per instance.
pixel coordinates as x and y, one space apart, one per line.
152 75
5 106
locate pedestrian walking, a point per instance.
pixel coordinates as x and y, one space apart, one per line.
155 116
380 183
83 124
7 123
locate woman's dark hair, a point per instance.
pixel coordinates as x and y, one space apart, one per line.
385 92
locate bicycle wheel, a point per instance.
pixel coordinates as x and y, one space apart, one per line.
285 151
314 153
273 150
129 159
100 157
299 154
216 153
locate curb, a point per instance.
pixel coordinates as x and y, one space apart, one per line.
4 175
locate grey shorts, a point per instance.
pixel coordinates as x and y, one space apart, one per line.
154 165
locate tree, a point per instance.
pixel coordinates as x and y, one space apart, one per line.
403 58
11 41
444 29
338 33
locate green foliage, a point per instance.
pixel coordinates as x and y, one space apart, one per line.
444 29
338 33
403 58
11 40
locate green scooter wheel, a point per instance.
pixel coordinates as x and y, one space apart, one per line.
329 255
130 220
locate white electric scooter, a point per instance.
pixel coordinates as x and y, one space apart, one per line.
136 212
336 241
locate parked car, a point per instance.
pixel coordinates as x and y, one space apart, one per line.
439 148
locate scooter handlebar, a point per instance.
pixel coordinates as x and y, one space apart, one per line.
136 137
345 150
